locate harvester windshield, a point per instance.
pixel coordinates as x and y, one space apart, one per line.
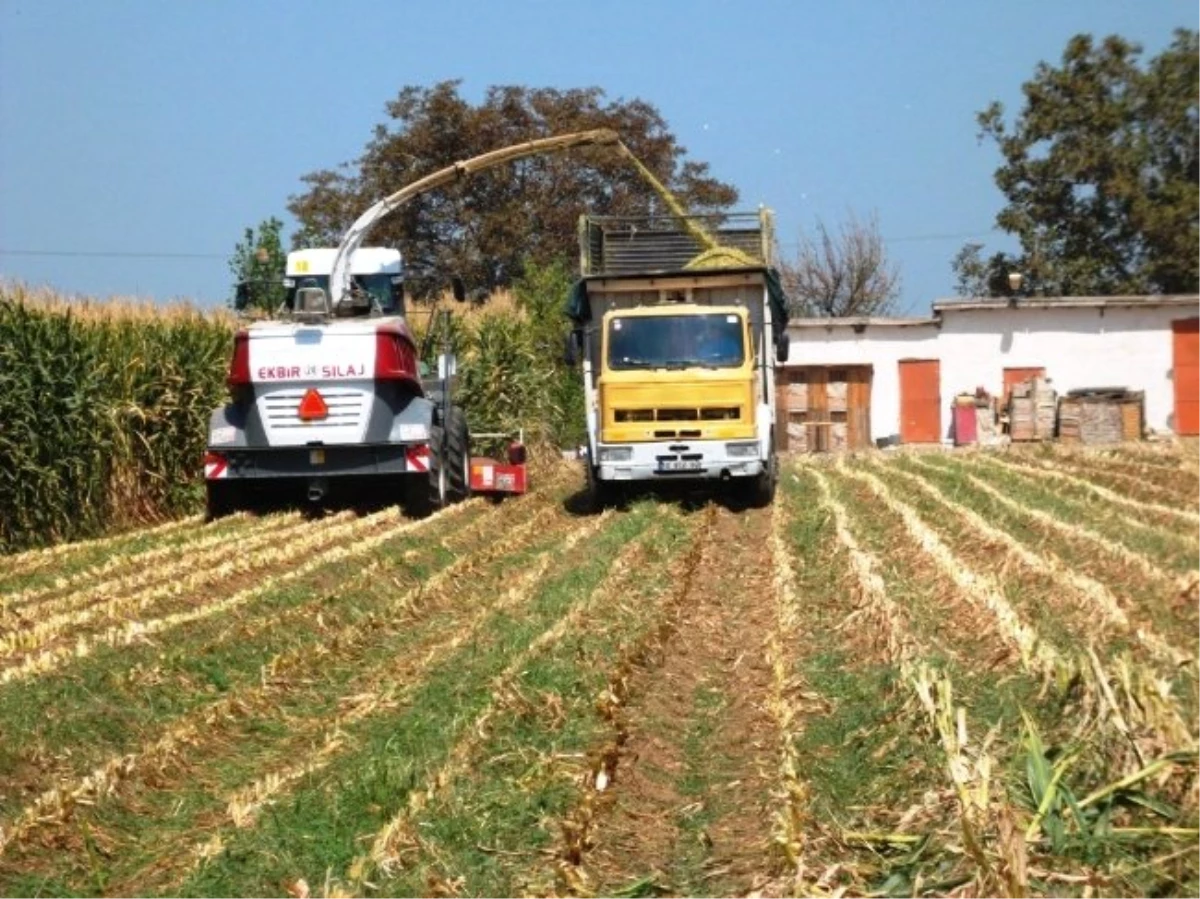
676 341
378 287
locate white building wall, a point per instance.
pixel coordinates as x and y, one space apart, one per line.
1078 347
880 346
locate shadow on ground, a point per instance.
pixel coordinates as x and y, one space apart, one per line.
688 497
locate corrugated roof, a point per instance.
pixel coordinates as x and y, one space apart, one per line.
963 304
859 321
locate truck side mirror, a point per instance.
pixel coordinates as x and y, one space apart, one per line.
458 288
782 347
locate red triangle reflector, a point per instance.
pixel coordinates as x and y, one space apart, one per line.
312 406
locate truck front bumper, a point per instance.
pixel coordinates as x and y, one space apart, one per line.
676 461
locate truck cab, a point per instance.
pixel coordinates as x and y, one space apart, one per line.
678 363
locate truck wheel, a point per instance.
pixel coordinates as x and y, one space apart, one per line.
762 488
219 500
449 460
599 493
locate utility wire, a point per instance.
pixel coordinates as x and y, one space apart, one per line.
915 238
113 254
149 254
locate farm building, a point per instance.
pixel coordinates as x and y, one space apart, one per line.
855 382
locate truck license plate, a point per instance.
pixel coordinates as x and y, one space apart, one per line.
316 457
681 465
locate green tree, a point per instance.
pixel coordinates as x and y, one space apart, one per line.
487 227
976 276
258 266
1100 173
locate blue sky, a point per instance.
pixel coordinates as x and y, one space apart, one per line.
139 139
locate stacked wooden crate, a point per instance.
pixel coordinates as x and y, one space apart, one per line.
1032 410
1100 415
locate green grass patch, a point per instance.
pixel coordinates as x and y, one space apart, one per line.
528 771
1174 548
337 811
1035 594
112 700
1159 524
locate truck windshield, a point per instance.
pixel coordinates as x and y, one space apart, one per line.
676 341
378 285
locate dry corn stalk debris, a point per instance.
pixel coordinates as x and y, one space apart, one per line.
187 731
137 569
1128 520
33 559
1162 719
56 803
130 632
970 771
45 620
1127 477
1068 529
1036 654
1181 515
384 853
1090 594
788 831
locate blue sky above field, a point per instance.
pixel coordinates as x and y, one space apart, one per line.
139 139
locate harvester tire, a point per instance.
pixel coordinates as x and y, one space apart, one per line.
449 460
219 500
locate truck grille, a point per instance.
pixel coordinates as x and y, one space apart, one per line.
349 410
708 413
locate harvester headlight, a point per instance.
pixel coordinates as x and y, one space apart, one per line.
616 453
744 449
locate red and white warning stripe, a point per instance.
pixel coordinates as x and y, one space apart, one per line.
215 466
417 458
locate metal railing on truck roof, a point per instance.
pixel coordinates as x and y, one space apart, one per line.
629 245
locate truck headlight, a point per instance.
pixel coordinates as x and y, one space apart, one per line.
616 453
745 449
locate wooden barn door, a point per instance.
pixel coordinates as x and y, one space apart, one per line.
824 408
1186 374
920 401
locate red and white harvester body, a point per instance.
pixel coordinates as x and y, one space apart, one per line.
326 401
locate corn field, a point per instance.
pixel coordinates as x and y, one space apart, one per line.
915 674
103 413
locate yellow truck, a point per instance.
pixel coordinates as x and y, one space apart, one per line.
678 355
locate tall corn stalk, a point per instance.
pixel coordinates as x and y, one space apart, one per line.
104 411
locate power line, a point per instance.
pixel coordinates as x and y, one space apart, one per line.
915 238
115 254
150 254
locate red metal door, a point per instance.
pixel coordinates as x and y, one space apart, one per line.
920 401
1014 376
1186 373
